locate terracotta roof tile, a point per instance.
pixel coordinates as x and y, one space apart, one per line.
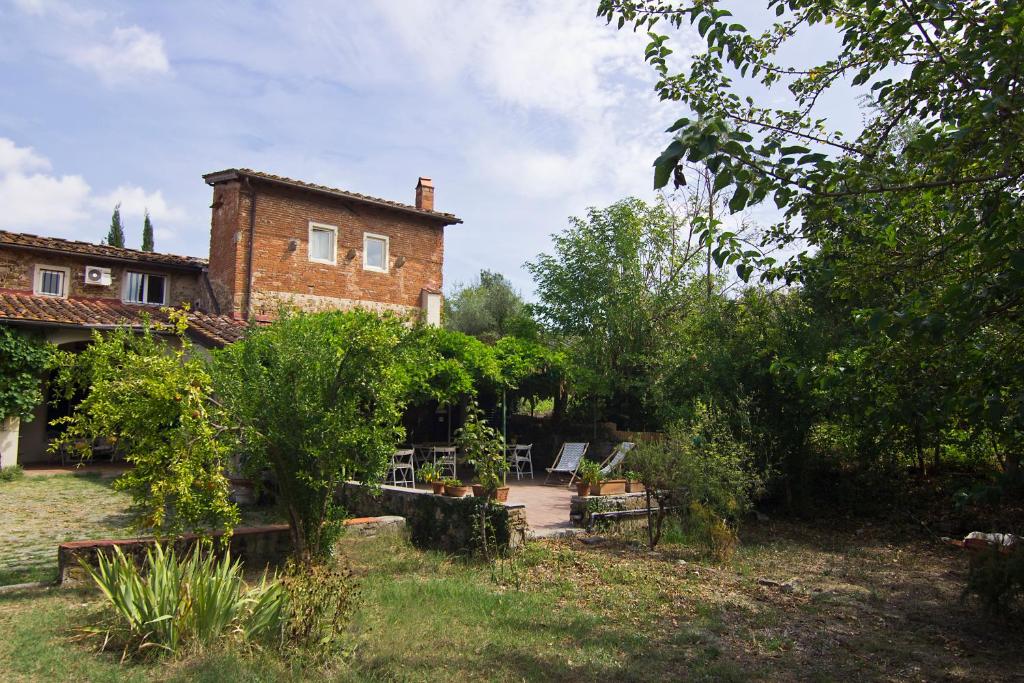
16 307
232 173
102 251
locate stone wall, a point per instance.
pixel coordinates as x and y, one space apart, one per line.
588 512
17 271
438 522
257 547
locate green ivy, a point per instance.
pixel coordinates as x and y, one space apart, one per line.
23 360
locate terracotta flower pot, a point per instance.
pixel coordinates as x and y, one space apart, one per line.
438 487
635 487
582 489
457 491
608 487
478 490
501 495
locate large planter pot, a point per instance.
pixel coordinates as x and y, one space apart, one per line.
438 487
582 489
609 487
500 494
457 491
635 487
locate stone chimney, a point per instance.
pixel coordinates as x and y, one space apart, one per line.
425 194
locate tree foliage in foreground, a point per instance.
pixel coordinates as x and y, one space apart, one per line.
915 219
153 400
317 400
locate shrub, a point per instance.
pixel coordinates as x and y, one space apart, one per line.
321 599
171 603
484 448
589 472
998 580
699 462
11 473
317 399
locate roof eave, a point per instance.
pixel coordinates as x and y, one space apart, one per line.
236 174
198 267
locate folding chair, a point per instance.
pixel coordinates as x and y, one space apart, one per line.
521 460
402 471
568 460
614 460
444 457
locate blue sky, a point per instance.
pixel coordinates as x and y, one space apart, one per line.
523 113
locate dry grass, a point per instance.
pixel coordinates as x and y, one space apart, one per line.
796 604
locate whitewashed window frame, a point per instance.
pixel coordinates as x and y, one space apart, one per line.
126 288
367 236
324 227
37 280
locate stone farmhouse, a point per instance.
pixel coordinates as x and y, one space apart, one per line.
273 241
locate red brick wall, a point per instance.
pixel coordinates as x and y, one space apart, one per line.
17 269
282 274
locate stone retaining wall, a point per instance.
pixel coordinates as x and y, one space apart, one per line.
438 522
257 547
582 509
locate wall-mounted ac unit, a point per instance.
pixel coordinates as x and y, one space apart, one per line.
94 275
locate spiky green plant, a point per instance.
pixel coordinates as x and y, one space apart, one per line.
173 602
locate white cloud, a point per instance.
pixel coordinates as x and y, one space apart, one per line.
61 10
65 205
42 202
135 201
14 159
130 53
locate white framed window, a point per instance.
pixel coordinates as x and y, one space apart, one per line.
145 288
323 243
51 280
375 252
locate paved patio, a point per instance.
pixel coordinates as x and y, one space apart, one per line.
547 507
103 469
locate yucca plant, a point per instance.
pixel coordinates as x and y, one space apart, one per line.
170 603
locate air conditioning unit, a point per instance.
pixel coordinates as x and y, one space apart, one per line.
94 275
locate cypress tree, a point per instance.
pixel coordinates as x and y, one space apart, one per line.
115 237
147 234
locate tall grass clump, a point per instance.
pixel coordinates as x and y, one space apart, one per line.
11 473
171 603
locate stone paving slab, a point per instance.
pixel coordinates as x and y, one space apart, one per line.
547 507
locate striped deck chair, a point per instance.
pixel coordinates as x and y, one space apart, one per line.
614 460
568 460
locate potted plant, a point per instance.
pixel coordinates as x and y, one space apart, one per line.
589 473
454 488
430 473
485 451
607 487
633 483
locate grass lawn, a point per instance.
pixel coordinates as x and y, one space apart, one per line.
843 606
37 513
